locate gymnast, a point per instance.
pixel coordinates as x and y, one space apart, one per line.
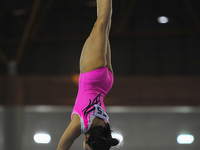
96 78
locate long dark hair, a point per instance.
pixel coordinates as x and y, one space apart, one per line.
100 138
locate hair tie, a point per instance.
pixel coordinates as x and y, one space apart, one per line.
104 138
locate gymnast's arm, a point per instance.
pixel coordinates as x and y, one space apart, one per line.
72 132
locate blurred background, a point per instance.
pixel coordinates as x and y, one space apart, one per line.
155 55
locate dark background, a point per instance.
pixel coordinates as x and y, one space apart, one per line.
140 45
154 64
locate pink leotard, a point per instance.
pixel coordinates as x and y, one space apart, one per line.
93 86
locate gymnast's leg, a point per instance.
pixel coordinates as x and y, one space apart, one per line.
96 50
108 55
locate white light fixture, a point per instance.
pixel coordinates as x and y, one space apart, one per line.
185 139
163 20
118 136
42 138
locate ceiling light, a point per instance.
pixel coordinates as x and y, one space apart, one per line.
118 136
42 138
185 139
163 20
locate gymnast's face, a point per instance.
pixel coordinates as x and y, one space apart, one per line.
85 145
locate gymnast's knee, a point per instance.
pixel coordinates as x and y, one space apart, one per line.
101 24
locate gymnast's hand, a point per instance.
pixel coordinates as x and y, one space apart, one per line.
72 132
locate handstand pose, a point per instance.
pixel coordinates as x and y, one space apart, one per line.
96 78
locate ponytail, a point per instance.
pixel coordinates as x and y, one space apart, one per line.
100 138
